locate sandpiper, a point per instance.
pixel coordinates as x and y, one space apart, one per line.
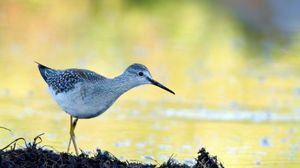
85 94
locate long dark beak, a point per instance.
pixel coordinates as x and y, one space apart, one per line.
154 82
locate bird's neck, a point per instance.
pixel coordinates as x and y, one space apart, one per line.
123 83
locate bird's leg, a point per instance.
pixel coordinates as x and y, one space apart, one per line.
73 135
71 128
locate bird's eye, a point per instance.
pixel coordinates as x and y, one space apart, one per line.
141 73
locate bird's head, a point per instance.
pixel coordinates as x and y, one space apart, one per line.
140 75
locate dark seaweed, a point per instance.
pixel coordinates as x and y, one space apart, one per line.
34 155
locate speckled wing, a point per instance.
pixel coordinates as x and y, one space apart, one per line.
65 80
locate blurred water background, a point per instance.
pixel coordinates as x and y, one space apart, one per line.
234 65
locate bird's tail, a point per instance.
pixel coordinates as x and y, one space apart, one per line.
44 70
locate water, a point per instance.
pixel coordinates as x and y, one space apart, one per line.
246 113
149 131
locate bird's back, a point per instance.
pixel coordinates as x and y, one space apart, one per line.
65 80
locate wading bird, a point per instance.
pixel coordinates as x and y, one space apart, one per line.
85 94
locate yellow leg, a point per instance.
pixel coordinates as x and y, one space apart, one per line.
73 135
71 128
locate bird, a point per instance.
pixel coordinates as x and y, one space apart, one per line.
84 94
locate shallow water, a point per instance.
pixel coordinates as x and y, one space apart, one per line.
248 117
149 132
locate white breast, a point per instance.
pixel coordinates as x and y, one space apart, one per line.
75 103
